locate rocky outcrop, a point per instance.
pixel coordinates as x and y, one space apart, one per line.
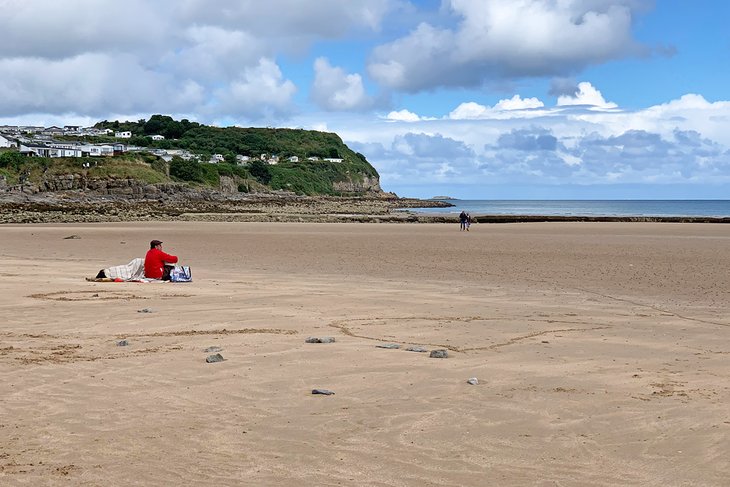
105 186
228 185
365 185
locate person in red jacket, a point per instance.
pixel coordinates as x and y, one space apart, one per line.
155 262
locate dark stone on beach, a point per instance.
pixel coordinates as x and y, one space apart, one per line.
122 343
213 349
439 354
214 358
145 310
72 237
473 381
416 349
320 340
325 392
390 346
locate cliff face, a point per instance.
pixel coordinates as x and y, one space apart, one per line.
367 184
362 184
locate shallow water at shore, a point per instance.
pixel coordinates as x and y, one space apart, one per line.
619 208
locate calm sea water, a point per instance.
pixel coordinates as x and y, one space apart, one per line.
710 208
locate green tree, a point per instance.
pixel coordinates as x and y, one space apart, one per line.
186 170
11 160
260 171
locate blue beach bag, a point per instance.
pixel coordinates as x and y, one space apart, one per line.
181 273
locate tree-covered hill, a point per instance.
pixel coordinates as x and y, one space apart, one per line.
353 174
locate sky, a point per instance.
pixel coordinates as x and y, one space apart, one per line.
473 99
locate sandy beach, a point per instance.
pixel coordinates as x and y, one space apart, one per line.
601 351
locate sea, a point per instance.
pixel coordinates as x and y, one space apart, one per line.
649 208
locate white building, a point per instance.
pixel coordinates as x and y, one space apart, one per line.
5 142
123 135
242 160
157 137
45 151
216 158
102 150
333 159
293 159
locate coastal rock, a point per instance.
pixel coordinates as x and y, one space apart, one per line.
228 185
122 343
365 185
473 381
439 354
390 346
214 358
416 349
320 340
324 392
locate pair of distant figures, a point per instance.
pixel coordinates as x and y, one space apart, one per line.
464 221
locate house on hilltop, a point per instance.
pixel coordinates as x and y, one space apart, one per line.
6 142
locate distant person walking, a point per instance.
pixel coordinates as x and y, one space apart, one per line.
468 221
462 221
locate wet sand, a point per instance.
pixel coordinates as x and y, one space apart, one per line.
601 351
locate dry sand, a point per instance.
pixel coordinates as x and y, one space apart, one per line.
601 350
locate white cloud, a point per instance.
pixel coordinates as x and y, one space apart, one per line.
586 95
507 108
469 110
335 90
260 92
681 142
97 56
403 116
503 39
517 103
110 84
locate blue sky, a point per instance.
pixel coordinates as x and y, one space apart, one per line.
469 98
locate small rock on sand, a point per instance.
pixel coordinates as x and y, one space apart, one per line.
320 340
416 349
390 346
213 349
473 381
214 358
145 310
325 392
439 354
122 343
72 237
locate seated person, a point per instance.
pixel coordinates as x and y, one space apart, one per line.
155 262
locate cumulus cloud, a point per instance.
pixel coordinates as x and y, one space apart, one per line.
472 110
420 157
261 92
528 140
504 39
102 56
684 141
403 116
111 84
335 90
586 94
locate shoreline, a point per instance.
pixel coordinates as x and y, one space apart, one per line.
79 207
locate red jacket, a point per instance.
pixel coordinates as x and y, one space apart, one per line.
154 261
